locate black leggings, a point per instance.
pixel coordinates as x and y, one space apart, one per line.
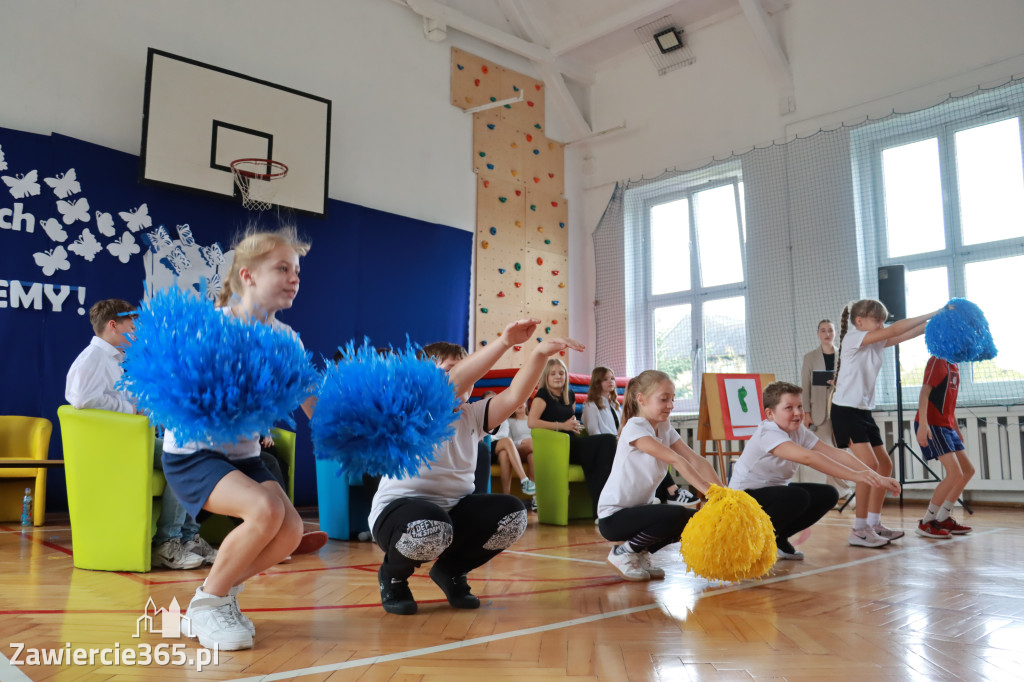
595 455
647 528
412 531
796 506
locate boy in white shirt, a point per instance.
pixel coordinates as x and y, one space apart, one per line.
90 385
771 457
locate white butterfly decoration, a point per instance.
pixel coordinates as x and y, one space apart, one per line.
3 161
158 238
53 230
177 261
53 260
22 185
86 245
185 235
64 184
105 224
138 218
123 249
74 210
212 254
213 286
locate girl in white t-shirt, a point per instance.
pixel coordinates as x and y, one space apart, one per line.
860 359
771 457
647 446
505 451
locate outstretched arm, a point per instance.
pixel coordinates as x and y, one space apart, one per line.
506 402
906 329
827 461
471 369
691 466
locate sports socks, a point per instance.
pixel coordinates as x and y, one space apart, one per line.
930 515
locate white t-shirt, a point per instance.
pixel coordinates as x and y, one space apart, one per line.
243 448
858 371
450 477
635 474
757 467
597 420
516 429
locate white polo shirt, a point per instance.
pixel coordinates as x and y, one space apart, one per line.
757 467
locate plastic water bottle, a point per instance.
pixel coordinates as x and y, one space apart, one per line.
26 508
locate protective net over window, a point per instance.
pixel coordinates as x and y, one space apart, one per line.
730 267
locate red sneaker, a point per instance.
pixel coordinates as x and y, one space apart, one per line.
311 542
932 530
953 527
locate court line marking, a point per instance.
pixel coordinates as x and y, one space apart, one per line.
553 556
440 648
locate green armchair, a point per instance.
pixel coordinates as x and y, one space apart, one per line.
562 492
113 489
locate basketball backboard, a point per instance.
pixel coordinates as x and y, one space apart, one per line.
199 118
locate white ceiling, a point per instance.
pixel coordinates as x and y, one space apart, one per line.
572 39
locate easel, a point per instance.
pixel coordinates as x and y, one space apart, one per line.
713 422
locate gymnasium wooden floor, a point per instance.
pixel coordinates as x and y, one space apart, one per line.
554 610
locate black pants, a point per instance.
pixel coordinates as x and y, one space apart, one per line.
412 531
647 528
595 455
796 506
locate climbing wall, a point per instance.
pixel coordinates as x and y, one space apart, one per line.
522 230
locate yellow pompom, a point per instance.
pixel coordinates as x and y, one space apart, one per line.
730 538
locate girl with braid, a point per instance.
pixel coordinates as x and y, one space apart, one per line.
647 446
857 367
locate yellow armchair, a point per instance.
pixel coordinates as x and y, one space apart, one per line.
23 438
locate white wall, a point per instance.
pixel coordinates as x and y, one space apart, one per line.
848 59
78 68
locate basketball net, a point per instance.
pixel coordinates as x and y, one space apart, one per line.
254 180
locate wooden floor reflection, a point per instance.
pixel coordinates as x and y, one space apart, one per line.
554 610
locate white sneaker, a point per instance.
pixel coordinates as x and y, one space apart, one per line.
866 537
172 554
198 545
886 533
628 564
244 619
652 570
215 622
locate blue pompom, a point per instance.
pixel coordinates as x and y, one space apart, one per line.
960 333
383 414
210 376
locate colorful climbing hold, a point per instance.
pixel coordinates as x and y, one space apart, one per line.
484 68
540 261
494 99
514 145
533 207
515 88
519 192
554 303
490 126
501 271
501 294
561 285
484 342
484 244
547 330
540 228
551 175
529 137
518 267
484 311
536 179
537 126
538 86
503 199
487 183
536 151
547 241
490 166
517 348
540 289
555 273
518 284
494 230
476 82
554 204
482 154
559 224
515 174
460 67
554 321
519 223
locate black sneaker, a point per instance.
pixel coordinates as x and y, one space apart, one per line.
455 588
395 596
683 498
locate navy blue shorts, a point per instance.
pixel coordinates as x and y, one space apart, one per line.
942 442
854 425
193 476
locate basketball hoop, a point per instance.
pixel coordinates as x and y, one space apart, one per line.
257 196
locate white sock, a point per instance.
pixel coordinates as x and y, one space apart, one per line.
874 519
929 515
945 510
859 523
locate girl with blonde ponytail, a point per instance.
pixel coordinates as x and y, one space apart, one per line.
857 365
647 446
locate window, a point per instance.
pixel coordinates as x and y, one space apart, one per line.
690 300
950 206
